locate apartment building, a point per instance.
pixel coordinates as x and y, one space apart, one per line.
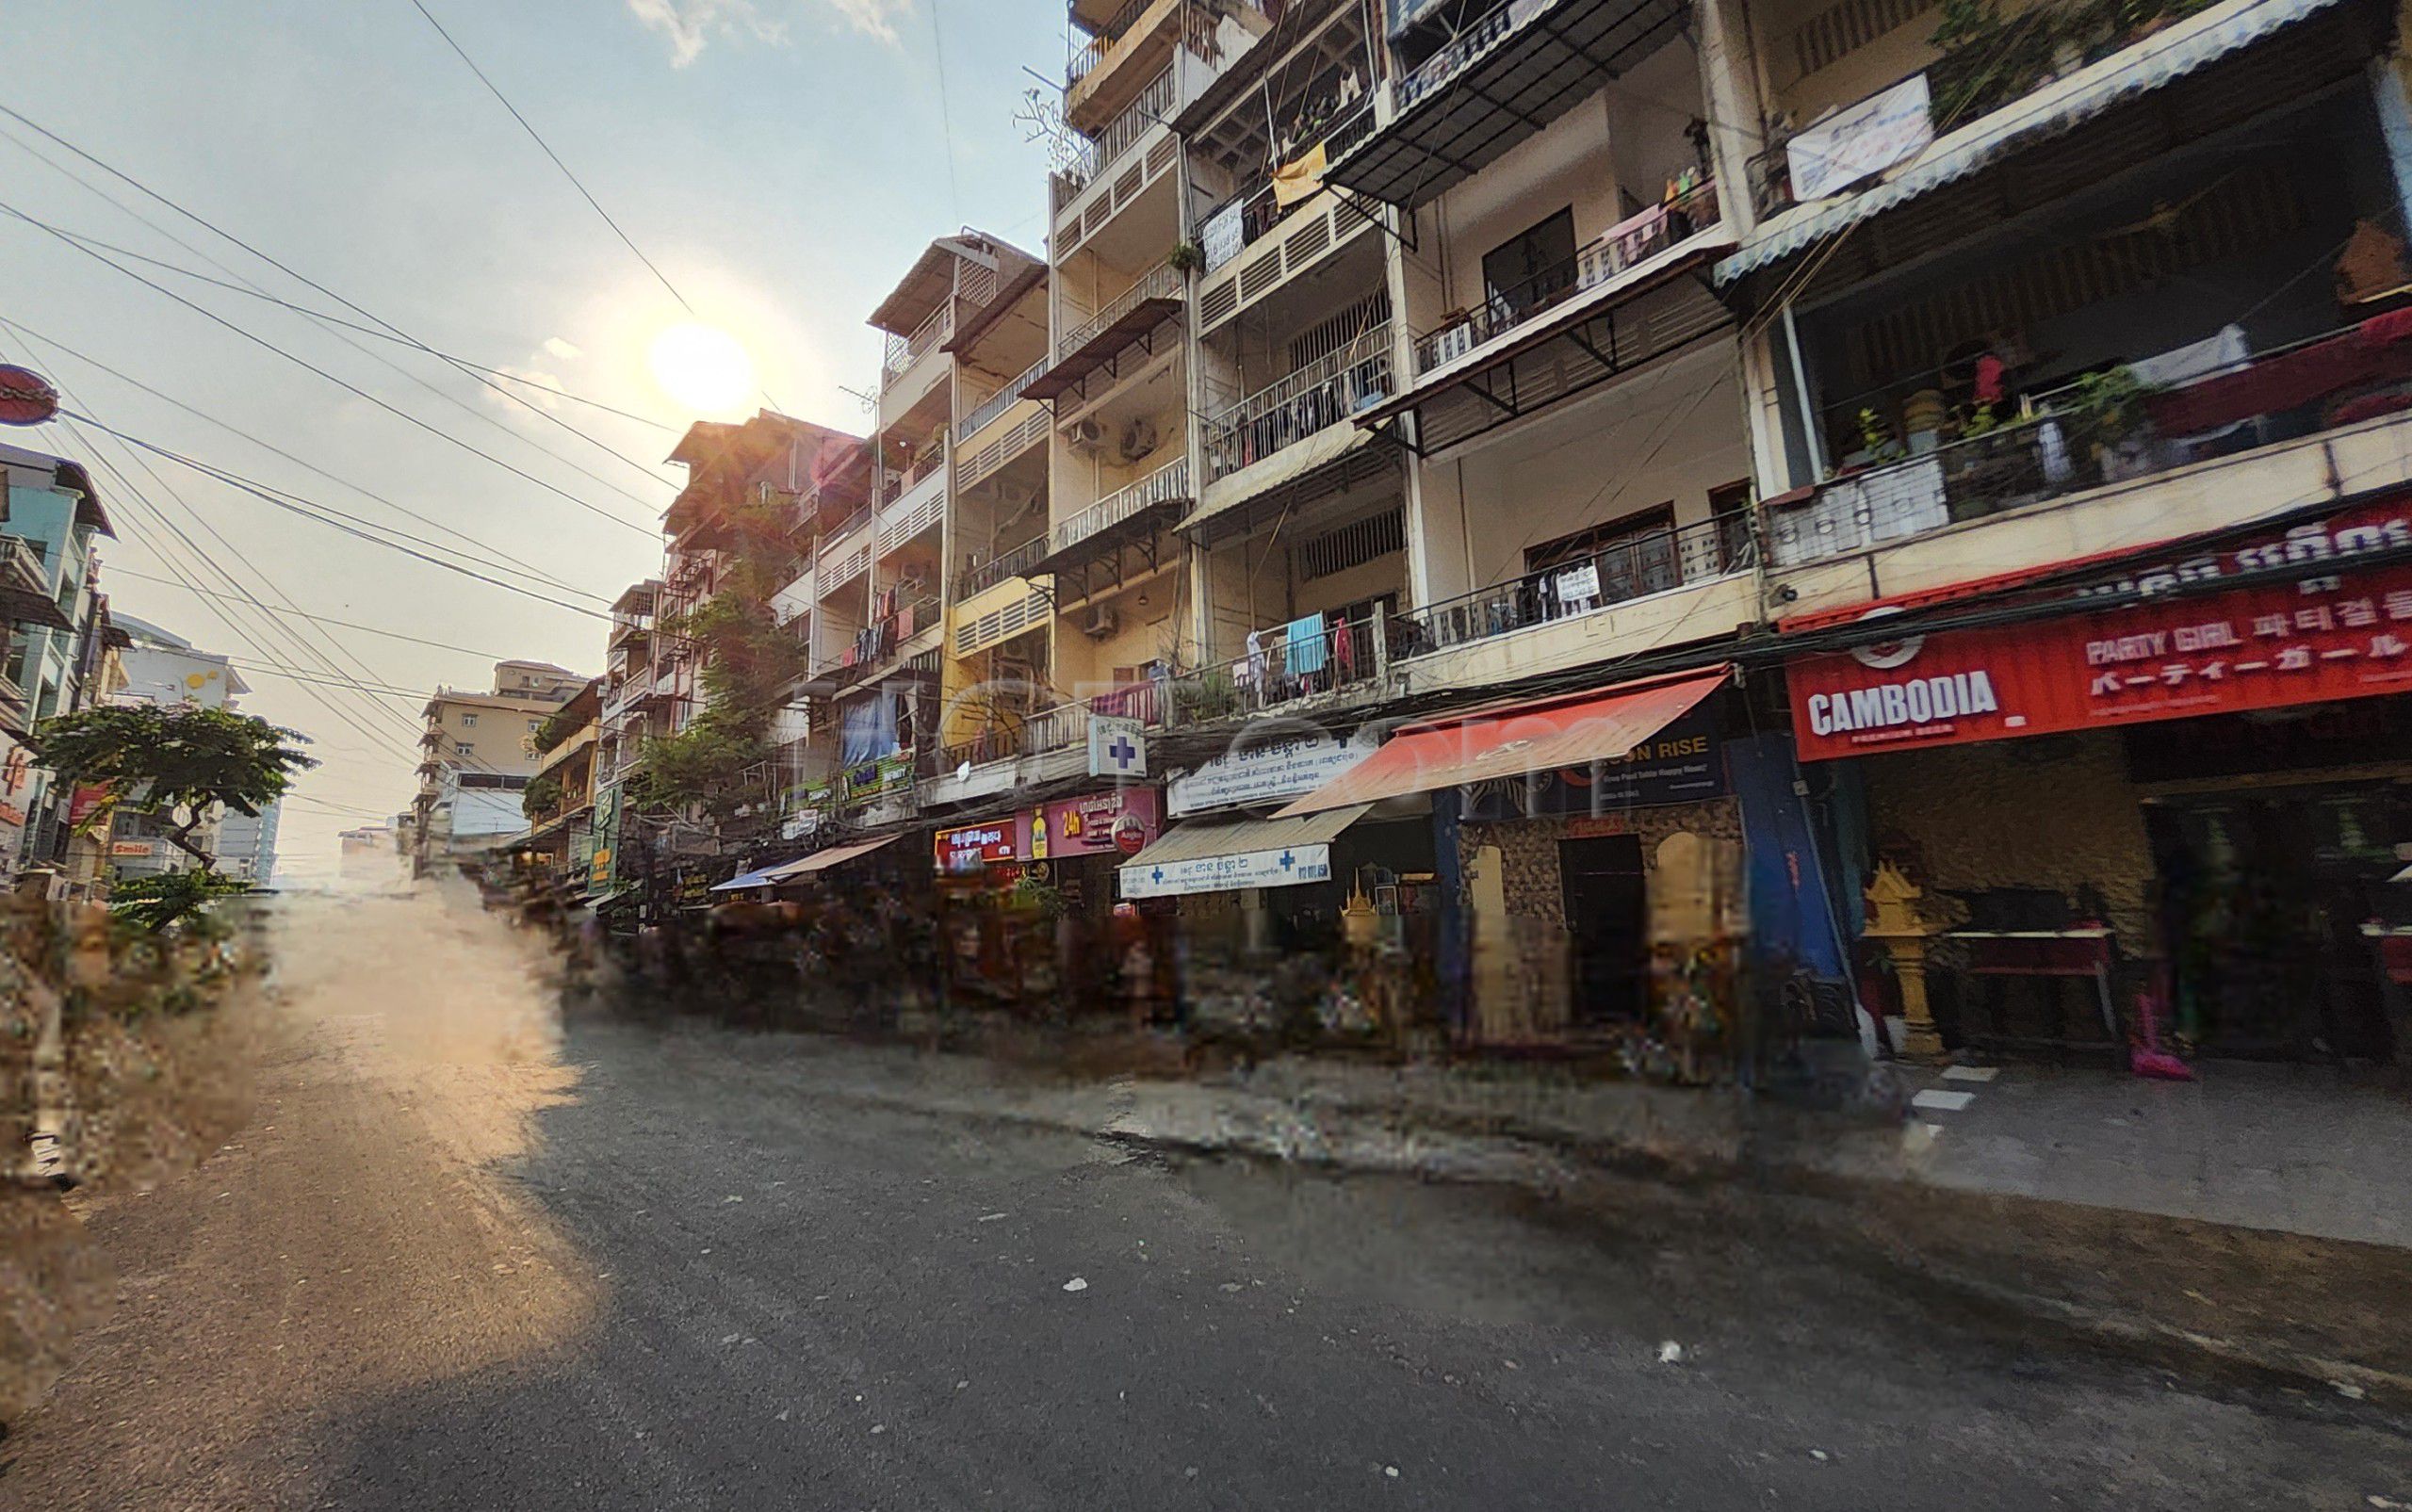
559 799
478 753
54 519
631 709
164 669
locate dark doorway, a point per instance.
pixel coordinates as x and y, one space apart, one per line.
1607 914
2265 897
1532 270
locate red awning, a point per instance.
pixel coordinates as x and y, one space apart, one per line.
1601 725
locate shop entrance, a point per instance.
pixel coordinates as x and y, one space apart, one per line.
1607 914
2265 899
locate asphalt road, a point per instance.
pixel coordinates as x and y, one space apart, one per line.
467 1257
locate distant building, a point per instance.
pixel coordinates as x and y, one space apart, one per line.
479 753
368 853
247 845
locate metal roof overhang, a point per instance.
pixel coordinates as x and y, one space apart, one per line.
1093 353
1602 335
758 878
20 604
1513 739
1251 851
1135 526
1560 54
2133 88
1307 473
823 860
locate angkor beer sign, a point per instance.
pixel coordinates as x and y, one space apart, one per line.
2346 634
26 396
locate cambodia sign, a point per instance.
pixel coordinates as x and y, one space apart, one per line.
2346 634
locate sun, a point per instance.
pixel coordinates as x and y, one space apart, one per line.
701 367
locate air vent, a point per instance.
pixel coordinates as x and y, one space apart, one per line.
1161 156
1259 277
1218 304
1310 241
1834 34
1126 188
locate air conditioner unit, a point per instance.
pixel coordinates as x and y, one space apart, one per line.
1139 438
1101 623
1087 437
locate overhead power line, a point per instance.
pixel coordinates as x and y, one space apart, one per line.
118 570
308 510
304 362
547 148
472 369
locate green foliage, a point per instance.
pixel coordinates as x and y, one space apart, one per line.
1188 257
158 903
175 762
2111 401
559 727
540 797
701 764
1209 695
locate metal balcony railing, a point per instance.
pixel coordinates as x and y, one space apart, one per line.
1435 73
1169 481
1163 282
1324 393
1153 106
997 404
1000 568
1087 57
1627 245
903 351
1289 665
1628 570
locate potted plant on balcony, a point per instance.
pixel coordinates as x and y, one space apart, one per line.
1186 257
1209 695
2109 409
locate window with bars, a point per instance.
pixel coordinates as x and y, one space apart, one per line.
1328 336
1353 545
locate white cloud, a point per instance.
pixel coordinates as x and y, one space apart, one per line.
691 24
533 389
563 349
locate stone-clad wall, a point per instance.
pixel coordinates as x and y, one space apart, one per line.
2048 812
1528 848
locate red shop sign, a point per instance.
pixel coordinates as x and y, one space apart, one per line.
2348 635
973 846
1119 818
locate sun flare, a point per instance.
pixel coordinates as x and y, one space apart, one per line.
701 367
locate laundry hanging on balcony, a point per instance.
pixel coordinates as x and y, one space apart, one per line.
1301 178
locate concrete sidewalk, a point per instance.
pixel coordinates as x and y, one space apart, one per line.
2294 1149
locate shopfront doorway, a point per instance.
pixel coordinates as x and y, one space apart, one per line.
1607 914
2266 899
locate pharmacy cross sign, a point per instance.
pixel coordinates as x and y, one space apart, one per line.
1123 753
1117 748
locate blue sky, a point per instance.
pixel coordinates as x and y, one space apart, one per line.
781 160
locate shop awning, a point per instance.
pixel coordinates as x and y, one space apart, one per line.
824 860
2159 60
1249 852
761 877
1511 742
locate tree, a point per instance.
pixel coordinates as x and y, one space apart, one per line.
177 765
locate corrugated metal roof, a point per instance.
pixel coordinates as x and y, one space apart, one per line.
2158 60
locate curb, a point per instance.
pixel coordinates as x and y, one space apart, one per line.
1508 1151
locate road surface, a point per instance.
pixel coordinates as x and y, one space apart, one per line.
467 1256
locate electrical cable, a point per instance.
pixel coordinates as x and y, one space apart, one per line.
495 557
347 386
390 331
121 569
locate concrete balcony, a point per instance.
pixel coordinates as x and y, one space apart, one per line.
1694 583
2055 487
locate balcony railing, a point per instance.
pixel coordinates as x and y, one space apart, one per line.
997 404
1324 393
1259 207
1163 282
1097 49
1154 106
1636 568
1169 481
1437 70
875 645
1002 568
903 351
1291 665
1627 244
